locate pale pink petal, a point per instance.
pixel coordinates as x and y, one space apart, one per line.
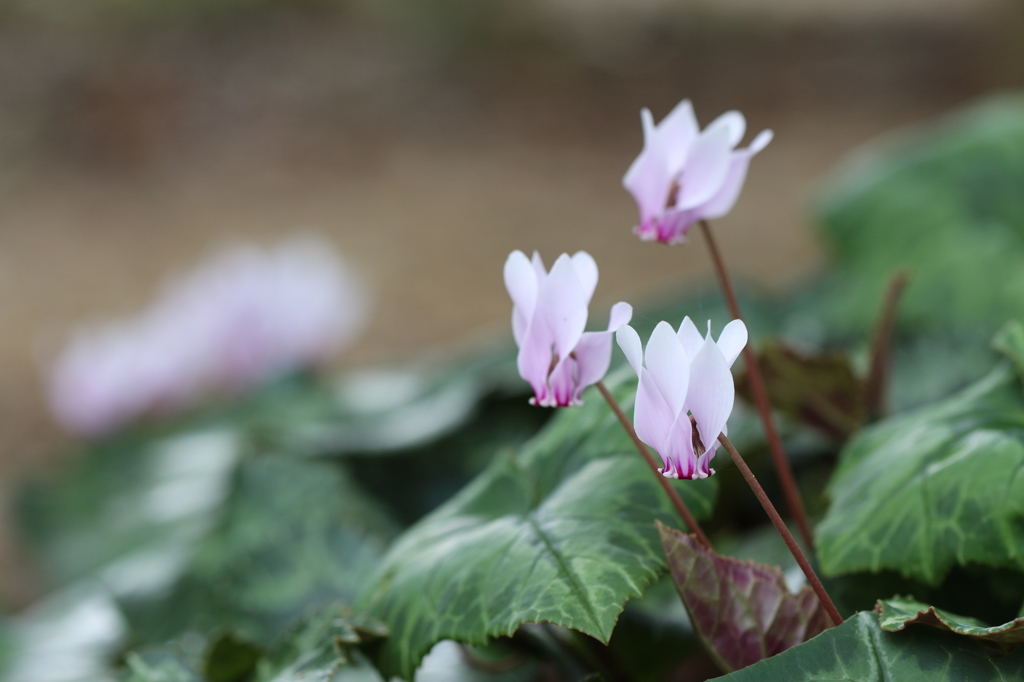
668 365
586 270
563 305
594 350
760 142
706 167
648 180
732 340
676 133
652 417
534 359
539 269
678 448
711 393
562 383
521 282
723 201
691 339
650 130
629 342
734 121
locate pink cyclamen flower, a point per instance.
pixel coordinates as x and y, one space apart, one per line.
549 314
683 375
243 317
685 174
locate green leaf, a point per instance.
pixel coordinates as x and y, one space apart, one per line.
293 533
942 202
896 614
939 487
742 610
230 658
318 646
860 651
560 531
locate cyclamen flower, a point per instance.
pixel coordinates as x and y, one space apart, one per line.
684 174
245 316
549 314
686 392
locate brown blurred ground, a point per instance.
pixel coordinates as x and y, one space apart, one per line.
131 148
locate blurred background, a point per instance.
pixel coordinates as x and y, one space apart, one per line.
425 140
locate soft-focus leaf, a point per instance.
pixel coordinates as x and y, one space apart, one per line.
939 487
896 614
742 610
294 532
860 651
820 390
316 648
230 659
560 531
943 202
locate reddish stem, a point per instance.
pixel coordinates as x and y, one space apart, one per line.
677 501
780 526
764 408
881 349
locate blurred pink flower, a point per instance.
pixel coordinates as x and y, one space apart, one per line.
549 314
684 174
682 374
244 316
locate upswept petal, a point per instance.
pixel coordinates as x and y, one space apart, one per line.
563 305
521 282
621 314
586 270
648 180
690 337
678 449
562 383
669 366
652 417
676 133
732 340
539 269
723 201
706 166
593 356
711 393
632 348
534 359
735 122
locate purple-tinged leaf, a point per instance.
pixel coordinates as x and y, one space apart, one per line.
742 610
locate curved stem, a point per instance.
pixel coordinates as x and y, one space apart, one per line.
881 348
780 526
677 501
764 408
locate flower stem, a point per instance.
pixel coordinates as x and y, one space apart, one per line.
881 349
677 501
764 408
780 526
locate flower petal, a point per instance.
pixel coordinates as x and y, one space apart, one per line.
732 340
676 134
711 392
593 356
690 337
521 282
538 267
707 166
629 342
621 314
586 270
761 141
669 366
652 417
678 448
534 359
563 305
734 121
648 180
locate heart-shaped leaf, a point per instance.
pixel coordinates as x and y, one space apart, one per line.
742 610
896 614
939 487
860 651
560 531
